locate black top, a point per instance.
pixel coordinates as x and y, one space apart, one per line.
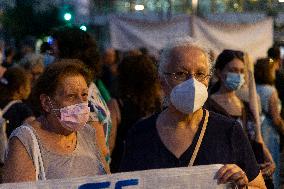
15 115
130 114
224 142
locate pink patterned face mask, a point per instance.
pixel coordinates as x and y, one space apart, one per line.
73 117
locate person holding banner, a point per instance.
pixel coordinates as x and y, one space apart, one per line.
59 144
186 134
232 76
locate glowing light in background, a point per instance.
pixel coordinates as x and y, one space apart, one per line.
67 16
139 7
84 28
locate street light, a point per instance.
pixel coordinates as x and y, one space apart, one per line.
83 27
67 16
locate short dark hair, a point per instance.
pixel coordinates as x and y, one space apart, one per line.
274 53
48 82
11 81
263 71
77 44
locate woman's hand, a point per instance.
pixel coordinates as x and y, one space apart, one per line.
267 169
232 173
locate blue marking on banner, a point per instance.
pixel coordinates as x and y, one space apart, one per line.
122 183
95 185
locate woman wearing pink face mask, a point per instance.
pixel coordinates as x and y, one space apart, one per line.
58 144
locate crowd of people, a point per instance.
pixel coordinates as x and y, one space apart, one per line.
69 112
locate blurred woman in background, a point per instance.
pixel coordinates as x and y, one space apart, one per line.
139 97
15 87
33 64
272 123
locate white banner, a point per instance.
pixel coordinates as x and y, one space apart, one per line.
237 18
127 34
255 38
196 177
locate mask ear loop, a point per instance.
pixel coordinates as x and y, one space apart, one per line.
242 80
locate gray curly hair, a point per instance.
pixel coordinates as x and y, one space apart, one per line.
182 42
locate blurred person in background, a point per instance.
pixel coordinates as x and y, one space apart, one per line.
15 87
230 71
78 44
1 52
27 45
185 134
139 96
272 124
275 54
109 69
33 64
2 70
9 57
45 50
59 144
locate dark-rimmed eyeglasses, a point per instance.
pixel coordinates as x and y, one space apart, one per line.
182 76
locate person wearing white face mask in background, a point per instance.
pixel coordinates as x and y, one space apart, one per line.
223 99
186 134
59 144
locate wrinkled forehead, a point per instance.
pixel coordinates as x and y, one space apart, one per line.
189 58
71 84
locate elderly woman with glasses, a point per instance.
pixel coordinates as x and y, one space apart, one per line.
186 134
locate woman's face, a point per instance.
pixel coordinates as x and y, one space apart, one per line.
235 66
185 61
71 90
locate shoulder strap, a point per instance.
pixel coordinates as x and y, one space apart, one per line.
37 158
91 88
6 108
193 157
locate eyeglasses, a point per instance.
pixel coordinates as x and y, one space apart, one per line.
182 76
